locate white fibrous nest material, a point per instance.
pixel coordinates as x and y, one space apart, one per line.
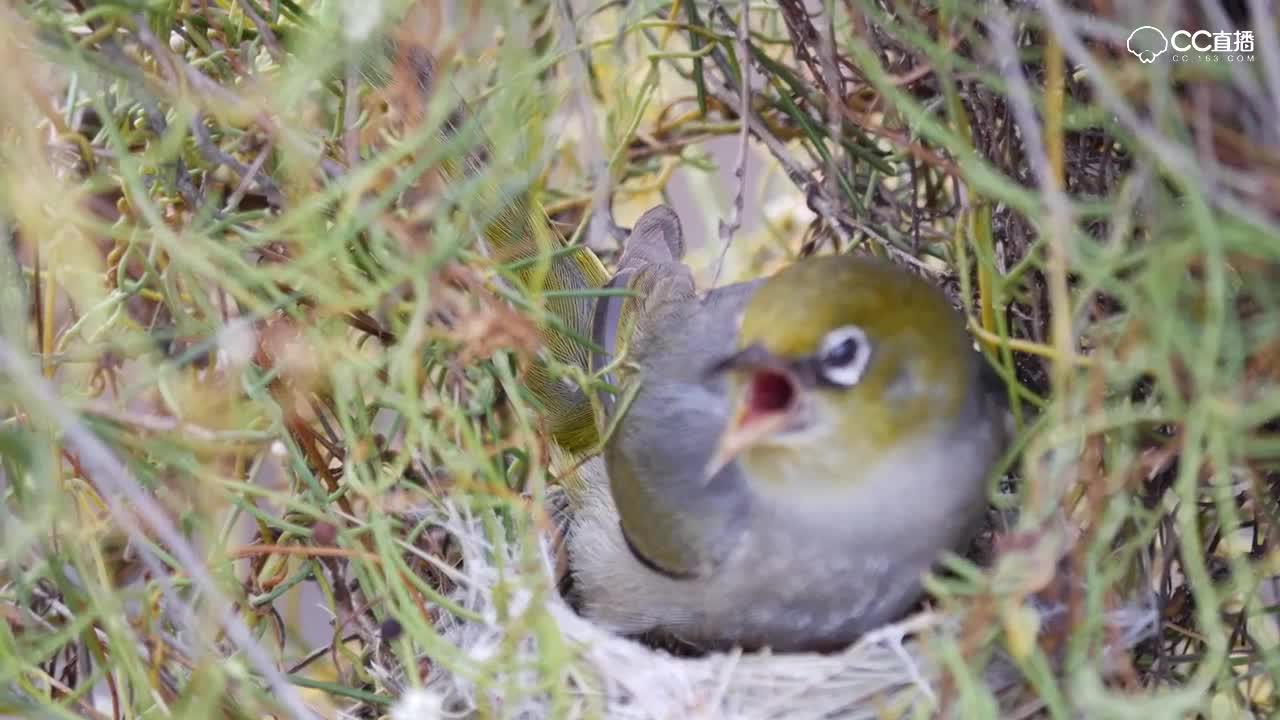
888 674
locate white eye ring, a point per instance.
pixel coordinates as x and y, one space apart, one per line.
844 355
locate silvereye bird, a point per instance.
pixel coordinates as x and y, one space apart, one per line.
798 452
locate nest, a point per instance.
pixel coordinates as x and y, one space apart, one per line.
892 672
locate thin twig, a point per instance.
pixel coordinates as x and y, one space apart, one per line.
233 200
264 30
320 652
142 422
351 115
1059 222
825 207
729 226
213 97
602 222
249 174
1264 22
835 90
144 512
1243 79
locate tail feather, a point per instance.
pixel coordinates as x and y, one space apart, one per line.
521 230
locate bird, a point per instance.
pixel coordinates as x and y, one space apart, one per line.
798 452
784 457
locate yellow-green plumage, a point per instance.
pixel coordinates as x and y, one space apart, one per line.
521 231
928 340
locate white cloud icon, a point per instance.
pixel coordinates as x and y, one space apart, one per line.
1147 43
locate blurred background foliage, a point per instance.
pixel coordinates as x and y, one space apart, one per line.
248 332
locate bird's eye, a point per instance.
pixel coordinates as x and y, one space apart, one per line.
844 355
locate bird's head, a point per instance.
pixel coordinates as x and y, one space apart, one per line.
841 361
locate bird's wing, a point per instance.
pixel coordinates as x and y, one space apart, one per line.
520 230
673 514
651 269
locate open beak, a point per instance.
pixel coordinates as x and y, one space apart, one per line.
766 406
